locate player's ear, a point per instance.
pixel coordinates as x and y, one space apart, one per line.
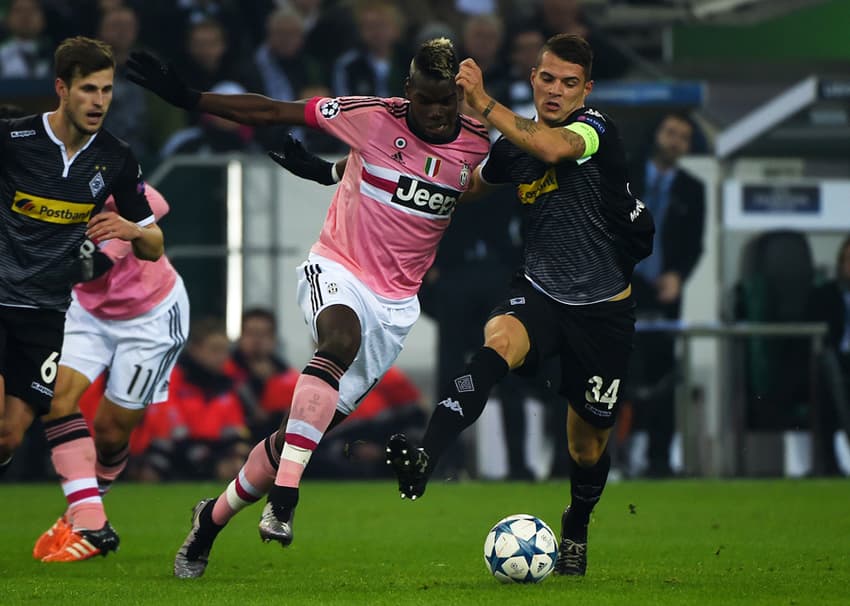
407 87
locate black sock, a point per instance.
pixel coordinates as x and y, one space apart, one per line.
586 486
207 524
283 500
463 401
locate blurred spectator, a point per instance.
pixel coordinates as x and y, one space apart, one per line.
204 395
128 118
482 41
287 73
356 448
378 67
26 51
567 17
213 135
525 44
830 303
676 200
209 61
264 381
328 30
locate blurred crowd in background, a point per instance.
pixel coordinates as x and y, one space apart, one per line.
227 396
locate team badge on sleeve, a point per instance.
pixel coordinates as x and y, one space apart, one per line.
329 109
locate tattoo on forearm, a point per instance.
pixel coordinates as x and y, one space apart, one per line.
573 139
526 125
489 108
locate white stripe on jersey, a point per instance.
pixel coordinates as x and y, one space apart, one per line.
384 197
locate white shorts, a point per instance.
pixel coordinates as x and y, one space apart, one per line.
139 353
384 323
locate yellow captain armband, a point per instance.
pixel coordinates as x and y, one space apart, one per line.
589 134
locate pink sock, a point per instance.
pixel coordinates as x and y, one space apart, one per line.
254 480
313 407
109 466
73 454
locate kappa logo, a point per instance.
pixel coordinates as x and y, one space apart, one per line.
329 109
36 386
464 384
97 184
593 112
425 197
18 134
452 405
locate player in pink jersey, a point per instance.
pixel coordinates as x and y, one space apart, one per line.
133 321
410 160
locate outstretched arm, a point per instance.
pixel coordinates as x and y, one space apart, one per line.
551 145
147 71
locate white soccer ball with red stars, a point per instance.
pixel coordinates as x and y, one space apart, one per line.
520 548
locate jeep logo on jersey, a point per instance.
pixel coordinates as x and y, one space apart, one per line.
425 197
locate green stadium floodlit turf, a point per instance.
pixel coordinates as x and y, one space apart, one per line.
667 542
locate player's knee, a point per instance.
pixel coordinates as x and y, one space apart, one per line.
585 453
62 405
343 344
10 440
109 436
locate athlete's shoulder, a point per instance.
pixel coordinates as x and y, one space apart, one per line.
24 127
591 116
474 127
394 106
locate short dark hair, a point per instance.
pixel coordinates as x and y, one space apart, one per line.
204 328
261 313
572 48
80 56
436 58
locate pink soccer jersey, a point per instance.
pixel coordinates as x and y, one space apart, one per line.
398 192
132 286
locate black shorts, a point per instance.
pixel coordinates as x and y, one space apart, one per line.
594 343
30 344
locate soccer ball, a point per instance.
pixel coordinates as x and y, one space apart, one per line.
520 549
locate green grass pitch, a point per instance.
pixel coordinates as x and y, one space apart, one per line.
676 542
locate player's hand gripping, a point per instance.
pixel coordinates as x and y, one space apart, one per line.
109 225
147 71
297 160
470 79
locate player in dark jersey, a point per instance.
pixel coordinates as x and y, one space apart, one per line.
584 232
56 171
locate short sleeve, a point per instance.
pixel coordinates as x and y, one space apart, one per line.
129 192
345 118
495 168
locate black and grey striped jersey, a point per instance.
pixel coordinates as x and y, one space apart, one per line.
584 230
46 200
